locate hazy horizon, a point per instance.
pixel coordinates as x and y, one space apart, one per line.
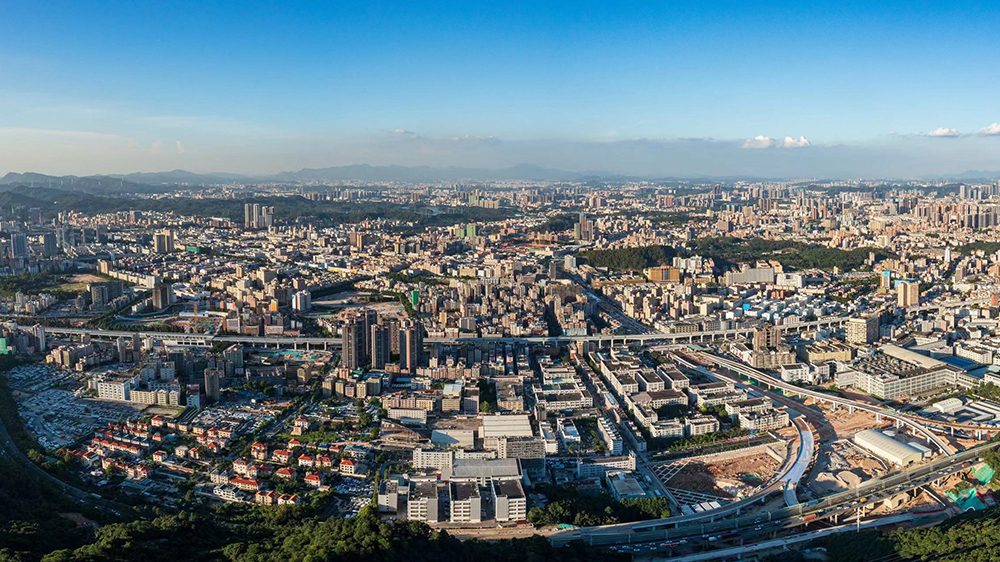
727 89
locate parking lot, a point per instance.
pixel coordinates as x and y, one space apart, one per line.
240 419
55 409
36 378
359 492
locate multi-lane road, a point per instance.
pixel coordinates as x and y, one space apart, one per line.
719 521
830 507
644 334
736 552
207 340
879 411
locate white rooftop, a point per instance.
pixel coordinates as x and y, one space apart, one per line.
510 425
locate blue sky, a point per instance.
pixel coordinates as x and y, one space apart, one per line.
676 88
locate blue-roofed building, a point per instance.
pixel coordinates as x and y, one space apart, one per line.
960 362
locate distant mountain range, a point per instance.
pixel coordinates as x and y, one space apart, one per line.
156 182
365 172
357 172
94 185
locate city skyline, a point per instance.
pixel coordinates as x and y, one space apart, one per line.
563 281
718 90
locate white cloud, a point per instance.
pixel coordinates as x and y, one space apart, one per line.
180 147
944 132
990 130
700 139
403 133
760 141
474 140
790 142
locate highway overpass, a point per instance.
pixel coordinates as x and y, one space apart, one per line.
879 411
717 521
306 342
832 507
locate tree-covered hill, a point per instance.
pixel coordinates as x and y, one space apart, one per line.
285 208
728 251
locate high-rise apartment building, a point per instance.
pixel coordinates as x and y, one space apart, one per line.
379 346
353 348
908 294
163 242
19 245
862 331
411 346
301 301
49 247
584 229
162 294
212 384
257 216
766 337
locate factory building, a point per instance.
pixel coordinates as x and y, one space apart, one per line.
888 448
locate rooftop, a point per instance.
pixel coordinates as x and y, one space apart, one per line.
462 491
514 425
483 468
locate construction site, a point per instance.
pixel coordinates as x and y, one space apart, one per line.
721 477
847 423
847 466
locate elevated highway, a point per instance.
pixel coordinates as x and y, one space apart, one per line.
733 517
879 411
793 473
833 507
736 552
306 342
807 447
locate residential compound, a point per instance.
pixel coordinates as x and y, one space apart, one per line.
560 388
665 404
896 373
492 347
465 491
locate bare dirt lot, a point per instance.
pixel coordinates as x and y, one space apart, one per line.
847 424
924 501
80 281
726 478
847 468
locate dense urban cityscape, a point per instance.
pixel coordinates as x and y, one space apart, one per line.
649 368
499 282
